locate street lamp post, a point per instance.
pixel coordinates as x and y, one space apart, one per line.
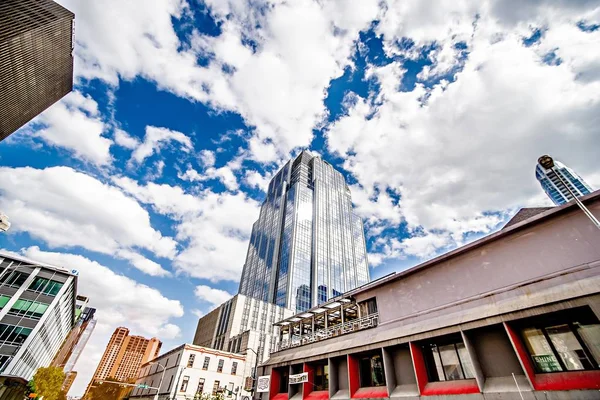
177 384
161 378
547 162
254 370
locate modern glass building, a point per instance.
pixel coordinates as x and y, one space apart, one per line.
37 312
307 245
555 189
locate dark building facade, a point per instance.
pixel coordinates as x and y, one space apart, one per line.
514 315
36 62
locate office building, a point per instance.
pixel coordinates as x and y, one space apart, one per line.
555 188
239 324
307 245
83 315
190 371
514 315
37 312
124 355
36 61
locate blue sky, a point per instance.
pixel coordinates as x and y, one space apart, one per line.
148 177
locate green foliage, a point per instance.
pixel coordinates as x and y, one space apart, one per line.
48 382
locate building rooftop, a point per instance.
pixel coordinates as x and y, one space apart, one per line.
524 214
17 257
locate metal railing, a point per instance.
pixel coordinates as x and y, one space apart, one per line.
370 321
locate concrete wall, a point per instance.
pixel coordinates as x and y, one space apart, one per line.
494 351
207 325
549 247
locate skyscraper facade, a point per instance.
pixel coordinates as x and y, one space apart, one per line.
36 313
307 245
36 61
555 189
124 356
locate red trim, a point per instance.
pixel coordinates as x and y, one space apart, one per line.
371 393
307 387
464 386
318 395
419 366
353 380
522 353
571 380
274 386
280 396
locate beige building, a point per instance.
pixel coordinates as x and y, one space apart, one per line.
189 371
124 355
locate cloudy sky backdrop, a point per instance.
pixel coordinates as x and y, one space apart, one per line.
148 177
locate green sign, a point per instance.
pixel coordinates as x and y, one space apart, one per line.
143 386
547 363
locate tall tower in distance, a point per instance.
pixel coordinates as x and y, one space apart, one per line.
554 188
307 245
36 61
124 355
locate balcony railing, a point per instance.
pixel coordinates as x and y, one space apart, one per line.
370 321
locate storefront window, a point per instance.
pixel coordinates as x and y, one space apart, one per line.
371 371
590 334
284 380
563 341
321 377
568 348
452 362
540 350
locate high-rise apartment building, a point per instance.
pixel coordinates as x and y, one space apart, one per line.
37 312
556 186
36 61
124 355
307 245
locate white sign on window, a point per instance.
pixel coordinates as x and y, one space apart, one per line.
299 378
262 384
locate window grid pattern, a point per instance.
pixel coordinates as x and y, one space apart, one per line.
307 245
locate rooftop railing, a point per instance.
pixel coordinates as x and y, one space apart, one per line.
355 325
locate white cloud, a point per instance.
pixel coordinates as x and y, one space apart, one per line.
215 226
66 208
207 158
277 87
75 125
255 180
197 313
155 139
210 295
123 139
120 301
224 174
465 154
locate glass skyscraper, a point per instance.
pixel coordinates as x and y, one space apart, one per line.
555 189
307 245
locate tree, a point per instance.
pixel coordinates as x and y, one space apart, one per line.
48 382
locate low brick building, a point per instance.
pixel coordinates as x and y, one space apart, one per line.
512 315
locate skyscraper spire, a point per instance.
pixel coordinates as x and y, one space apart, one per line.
554 187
